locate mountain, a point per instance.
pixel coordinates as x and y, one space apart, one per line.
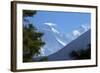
51 37
79 43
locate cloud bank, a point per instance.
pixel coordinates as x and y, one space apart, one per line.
76 33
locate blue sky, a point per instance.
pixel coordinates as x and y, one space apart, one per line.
65 21
65 26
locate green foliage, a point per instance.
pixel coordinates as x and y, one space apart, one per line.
28 13
32 41
44 59
82 53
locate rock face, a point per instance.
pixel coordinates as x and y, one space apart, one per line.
79 43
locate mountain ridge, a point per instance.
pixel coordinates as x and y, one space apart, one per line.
85 39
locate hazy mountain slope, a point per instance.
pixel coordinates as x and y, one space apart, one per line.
79 43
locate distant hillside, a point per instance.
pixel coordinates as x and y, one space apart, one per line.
79 43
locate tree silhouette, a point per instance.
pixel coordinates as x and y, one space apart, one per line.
82 53
32 41
28 13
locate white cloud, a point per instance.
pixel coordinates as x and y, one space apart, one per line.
50 24
76 33
85 27
51 27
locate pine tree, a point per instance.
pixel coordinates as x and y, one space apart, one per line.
32 41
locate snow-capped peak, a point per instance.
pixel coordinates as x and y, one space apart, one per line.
52 36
